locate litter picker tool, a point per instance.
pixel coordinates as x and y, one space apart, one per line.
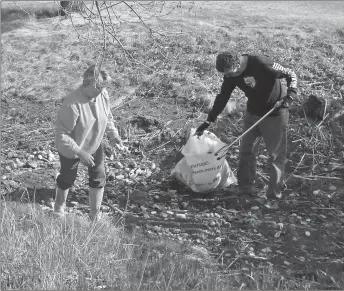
225 148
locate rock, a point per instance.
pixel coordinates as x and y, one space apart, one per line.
316 192
19 163
254 208
31 164
212 223
307 233
332 188
8 169
40 157
13 184
152 166
3 177
118 165
184 205
13 164
132 164
120 177
11 155
170 212
111 176
181 215
51 156
30 157
74 203
218 240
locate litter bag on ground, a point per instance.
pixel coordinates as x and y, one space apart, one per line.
200 169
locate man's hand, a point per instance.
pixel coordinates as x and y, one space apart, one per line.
284 102
86 158
200 130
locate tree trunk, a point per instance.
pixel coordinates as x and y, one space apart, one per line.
65 7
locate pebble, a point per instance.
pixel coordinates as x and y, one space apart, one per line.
332 188
3 177
307 233
170 212
316 192
120 177
184 205
286 263
39 157
118 165
32 164
8 169
255 208
212 223
74 203
20 163
51 156
13 184
11 155
181 215
153 167
218 239
13 164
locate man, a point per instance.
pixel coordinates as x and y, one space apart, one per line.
267 91
81 122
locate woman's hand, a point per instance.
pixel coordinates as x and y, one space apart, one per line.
86 158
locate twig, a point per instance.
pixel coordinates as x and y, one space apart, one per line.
312 177
317 83
21 8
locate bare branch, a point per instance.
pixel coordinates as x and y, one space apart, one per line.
21 8
104 36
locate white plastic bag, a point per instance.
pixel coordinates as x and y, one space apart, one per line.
200 169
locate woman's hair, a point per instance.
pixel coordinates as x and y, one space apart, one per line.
227 60
90 76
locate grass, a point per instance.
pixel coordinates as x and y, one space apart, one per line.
40 251
44 59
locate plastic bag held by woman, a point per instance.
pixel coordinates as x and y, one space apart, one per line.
201 169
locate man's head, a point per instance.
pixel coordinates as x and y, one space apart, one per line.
93 83
231 63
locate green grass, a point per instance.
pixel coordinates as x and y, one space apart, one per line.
44 59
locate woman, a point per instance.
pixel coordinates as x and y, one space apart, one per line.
81 122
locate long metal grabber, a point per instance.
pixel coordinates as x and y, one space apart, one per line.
226 147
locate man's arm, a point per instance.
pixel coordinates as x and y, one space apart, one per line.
221 99
290 76
65 123
280 71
